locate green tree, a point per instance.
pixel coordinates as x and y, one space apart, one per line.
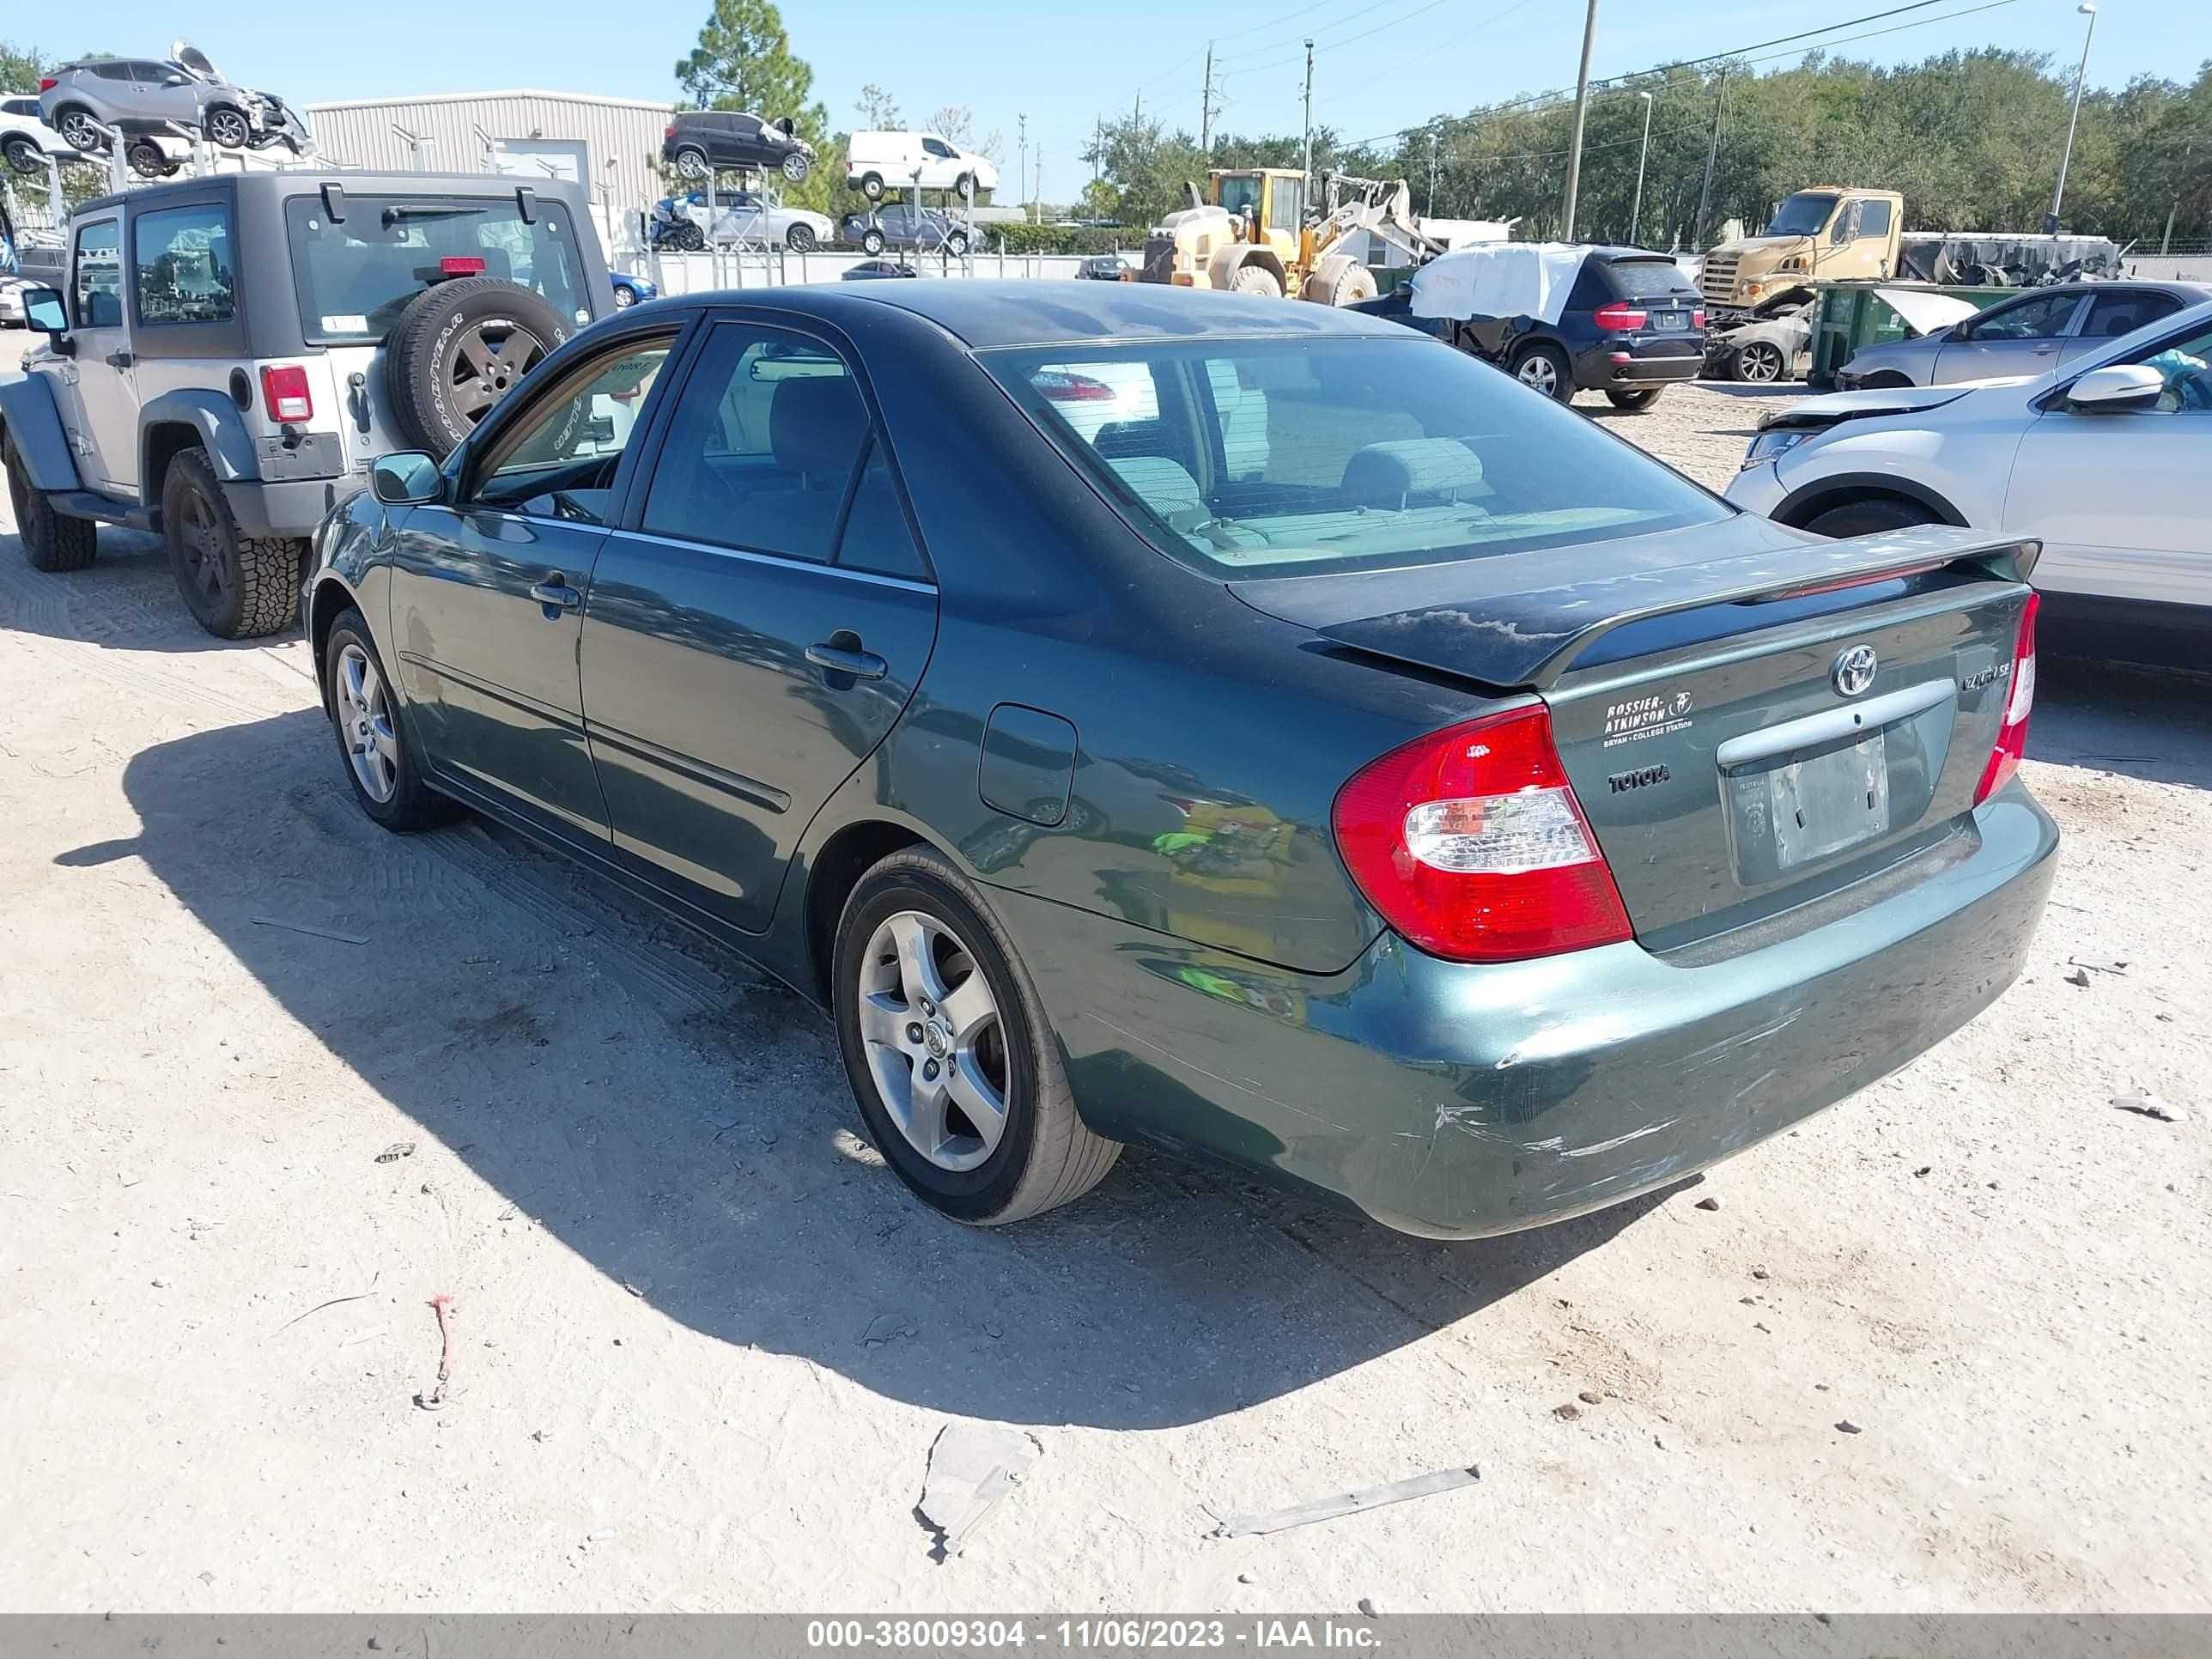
744 61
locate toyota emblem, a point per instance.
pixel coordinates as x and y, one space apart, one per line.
1854 671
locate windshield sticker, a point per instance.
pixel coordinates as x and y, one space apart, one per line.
346 323
1646 717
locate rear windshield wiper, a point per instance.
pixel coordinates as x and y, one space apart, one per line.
400 210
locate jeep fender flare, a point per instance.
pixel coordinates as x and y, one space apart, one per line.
1808 499
209 414
34 426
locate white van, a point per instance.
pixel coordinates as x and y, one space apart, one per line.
877 161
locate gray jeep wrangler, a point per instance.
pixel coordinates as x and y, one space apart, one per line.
230 353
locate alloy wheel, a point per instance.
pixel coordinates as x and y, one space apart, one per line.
935 1044
1758 362
365 727
228 129
1539 374
207 562
485 359
80 130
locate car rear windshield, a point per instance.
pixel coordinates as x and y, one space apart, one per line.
356 276
1648 279
1296 457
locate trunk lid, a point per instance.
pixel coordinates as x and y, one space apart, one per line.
1747 730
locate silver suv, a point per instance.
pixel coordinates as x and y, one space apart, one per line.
226 355
135 94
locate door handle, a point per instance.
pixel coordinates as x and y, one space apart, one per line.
842 659
555 595
120 359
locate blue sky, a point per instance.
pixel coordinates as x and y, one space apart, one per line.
1380 63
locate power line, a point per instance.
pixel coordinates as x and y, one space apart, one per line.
1559 97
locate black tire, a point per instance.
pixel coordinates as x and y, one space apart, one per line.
796 167
871 241
872 187
147 160
74 122
1046 1155
1758 363
800 238
957 244
686 238
1869 516
237 586
1886 381
25 156
414 805
430 385
691 163
52 542
1638 400
965 186
1558 386
226 127
624 297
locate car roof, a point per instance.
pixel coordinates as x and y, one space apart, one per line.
987 314
286 182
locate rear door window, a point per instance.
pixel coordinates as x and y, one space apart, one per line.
183 269
2043 318
2112 315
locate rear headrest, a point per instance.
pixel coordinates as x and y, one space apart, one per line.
1163 485
1429 469
814 424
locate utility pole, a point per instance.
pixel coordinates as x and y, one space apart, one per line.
1024 128
1037 195
1705 189
1205 108
1636 213
1308 161
1582 112
1432 170
2087 9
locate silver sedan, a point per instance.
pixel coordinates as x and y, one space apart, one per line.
2043 328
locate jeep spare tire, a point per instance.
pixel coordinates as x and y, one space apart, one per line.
457 348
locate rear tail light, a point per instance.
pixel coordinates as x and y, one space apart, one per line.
671 132
1065 388
1617 319
1471 845
2019 703
47 83
1698 317
461 264
284 393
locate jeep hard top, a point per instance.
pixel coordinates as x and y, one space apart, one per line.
229 353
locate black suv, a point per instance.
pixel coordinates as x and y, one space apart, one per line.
902 224
1632 325
700 141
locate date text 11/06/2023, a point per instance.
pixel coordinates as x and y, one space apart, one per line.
1091 1635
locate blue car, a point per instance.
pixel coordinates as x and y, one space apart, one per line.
631 290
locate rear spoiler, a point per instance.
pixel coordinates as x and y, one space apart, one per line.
1531 638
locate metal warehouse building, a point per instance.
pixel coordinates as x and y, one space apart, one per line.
607 144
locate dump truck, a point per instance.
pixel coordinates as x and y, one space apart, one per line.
1253 234
1840 232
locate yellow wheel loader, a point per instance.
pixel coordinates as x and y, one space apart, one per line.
1255 235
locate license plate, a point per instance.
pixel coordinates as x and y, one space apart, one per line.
1825 803
1671 319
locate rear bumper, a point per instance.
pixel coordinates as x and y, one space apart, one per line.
1615 366
290 508
1456 1101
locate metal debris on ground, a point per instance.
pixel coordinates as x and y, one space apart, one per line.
396 1150
433 1398
972 1466
2098 967
2078 977
1709 1203
1350 1503
318 932
2149 1106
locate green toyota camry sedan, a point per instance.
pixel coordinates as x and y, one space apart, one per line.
1247 729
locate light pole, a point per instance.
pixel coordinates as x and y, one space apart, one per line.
1636 213
2088 9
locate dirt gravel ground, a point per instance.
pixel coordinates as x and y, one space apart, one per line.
703 1342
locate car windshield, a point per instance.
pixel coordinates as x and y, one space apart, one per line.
1297 457
356 276
1801 215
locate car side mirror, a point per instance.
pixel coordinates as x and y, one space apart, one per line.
44 310
406 478
2116 388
